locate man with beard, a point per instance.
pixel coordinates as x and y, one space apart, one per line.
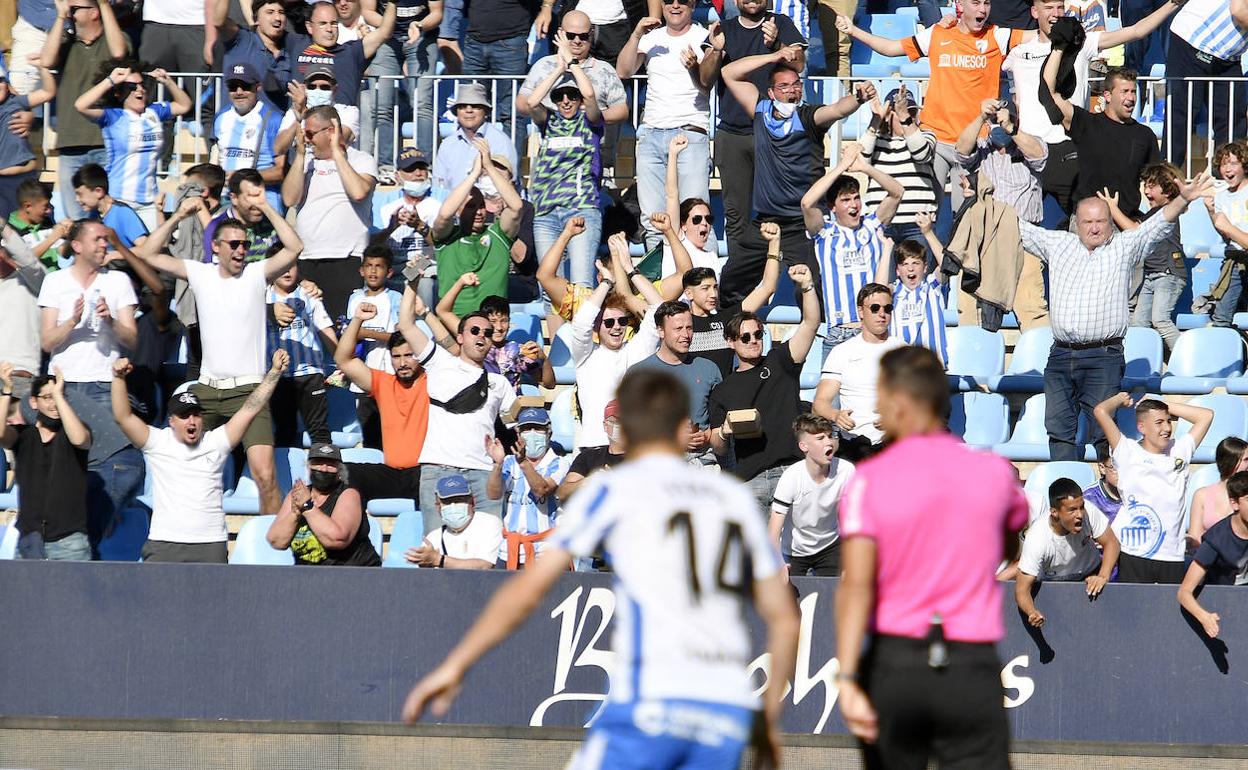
51 471
188 523
247 131
264 48
783 159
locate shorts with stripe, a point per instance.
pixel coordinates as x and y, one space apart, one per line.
666 735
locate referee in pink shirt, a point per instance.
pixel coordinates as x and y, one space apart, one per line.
924 525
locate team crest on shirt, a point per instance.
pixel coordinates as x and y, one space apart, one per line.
249 133
1178 464
485 241
981 46
1143 530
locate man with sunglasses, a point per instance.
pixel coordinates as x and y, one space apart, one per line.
230 299
263 47
851 370
682 62
246 133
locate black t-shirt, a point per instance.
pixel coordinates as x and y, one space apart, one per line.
1223 554
739 43
492 20
774 389
406 12
52 484
788 158
1015 14
1112 154
708 339
594 458
358 553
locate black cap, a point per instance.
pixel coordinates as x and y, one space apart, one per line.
324 451
185 404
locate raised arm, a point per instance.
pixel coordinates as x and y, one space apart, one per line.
1049 97
762 293
712 58
134 428
358 186
618 245
1123 221
238 424
1139 30
555 285
968 140
880 45
114 38
407 321
671 183
893 190
736 76
882 264
1200 418
46 89
344 354
804 338
373 40
226 28
293 182
629 60
445 221
151 250
1200 187
292 245
181 102
672 285
589 100
847 105
513 204
1104 415
925 220
445 309
87 100
812 201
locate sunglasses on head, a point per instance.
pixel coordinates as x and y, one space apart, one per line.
609 323
876 307
235 245
319 87
481 331
698 219
751 336
577 35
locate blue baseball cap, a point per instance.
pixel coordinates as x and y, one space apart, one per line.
244 73
453 486
533 415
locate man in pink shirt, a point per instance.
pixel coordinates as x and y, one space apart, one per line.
919 559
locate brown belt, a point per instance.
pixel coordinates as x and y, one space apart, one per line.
694 129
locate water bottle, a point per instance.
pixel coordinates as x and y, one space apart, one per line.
89 310
937 650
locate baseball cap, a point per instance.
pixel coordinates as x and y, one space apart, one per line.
914 98
320 71
185 404
324 451
612 409
411 157
243 72
454 485
565 83
532 415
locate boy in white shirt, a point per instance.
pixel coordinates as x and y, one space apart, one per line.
1152 478
807 493
376 268
1063 546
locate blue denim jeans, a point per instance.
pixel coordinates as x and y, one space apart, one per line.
578 264
500 57
421 58
377 106
1225 308
73 547
112 486
835 336
693 170
763 487
68 164
430 473
1155 305
1074 381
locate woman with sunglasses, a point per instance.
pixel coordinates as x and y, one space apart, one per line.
693 214
133 129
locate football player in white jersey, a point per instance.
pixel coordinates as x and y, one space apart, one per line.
688 548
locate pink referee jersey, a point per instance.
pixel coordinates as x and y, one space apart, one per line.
938 512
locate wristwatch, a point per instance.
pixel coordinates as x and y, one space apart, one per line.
632 275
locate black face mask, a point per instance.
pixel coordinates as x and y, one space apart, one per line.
323 481
51 423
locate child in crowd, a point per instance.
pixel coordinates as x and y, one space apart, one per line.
1104 493
526 481
19 161
91 191
298 324
375 268
1222 558
1064 546
1153 478
31 220
1229 213
918 303
1210 504
808 496
509 358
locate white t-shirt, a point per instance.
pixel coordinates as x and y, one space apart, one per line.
1047 555
387 301
1025 64
1154 499
186 486
599 370
406 242
19 318
481 539
458 440
187 12
232 318
672 98
602 11
87 355
810 506
1234 205
330 224
855 363
699 257
679 539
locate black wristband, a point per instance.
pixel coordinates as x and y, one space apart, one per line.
442 561
7 394
632 275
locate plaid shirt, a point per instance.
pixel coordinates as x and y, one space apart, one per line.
1015 177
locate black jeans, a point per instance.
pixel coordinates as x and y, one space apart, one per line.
826 563
954 713
1136 569
337 278
300 396
369 417
374 481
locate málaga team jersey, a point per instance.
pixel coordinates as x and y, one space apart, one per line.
683 543
919 315
133 142
246 141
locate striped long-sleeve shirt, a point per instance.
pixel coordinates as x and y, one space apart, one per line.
909 161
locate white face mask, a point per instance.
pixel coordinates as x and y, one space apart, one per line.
487 187
416 189
455 515
784 109
535 443
615 434
318 98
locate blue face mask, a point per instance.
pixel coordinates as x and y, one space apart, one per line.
535 443
416 189
998 137
455 515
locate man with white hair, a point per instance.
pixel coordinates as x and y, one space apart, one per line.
457 154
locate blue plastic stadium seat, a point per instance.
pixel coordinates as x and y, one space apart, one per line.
408 532
1203 274
363 455
1230 418
1043 475
8 500
976 357
1199 234
252 545
292 463
951 305
537 307
1202 360
890 25
782 314
916 69
981 419
1025 373
390 506
875 70
344 425
562 422
1143 350
1029 442
375 535
561 357
124 541
526 328
1201 477
812 367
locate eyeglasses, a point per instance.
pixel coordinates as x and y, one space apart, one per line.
310 135
698 219
572 96
46 397
320 87
678 2
577 35
796 85
125 88
609 323
238 85
751 336
74 8
876 307
481 331
235 245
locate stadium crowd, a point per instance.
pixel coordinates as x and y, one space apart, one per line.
319 252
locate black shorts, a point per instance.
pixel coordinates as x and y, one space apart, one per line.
955 714
1136 569
825 563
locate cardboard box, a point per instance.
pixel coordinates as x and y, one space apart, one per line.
745 423
522 402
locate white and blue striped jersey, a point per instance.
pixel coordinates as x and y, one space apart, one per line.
919 316
524 513
302 338
847 260
1208 27
246 141
798 11
133 144
683 543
